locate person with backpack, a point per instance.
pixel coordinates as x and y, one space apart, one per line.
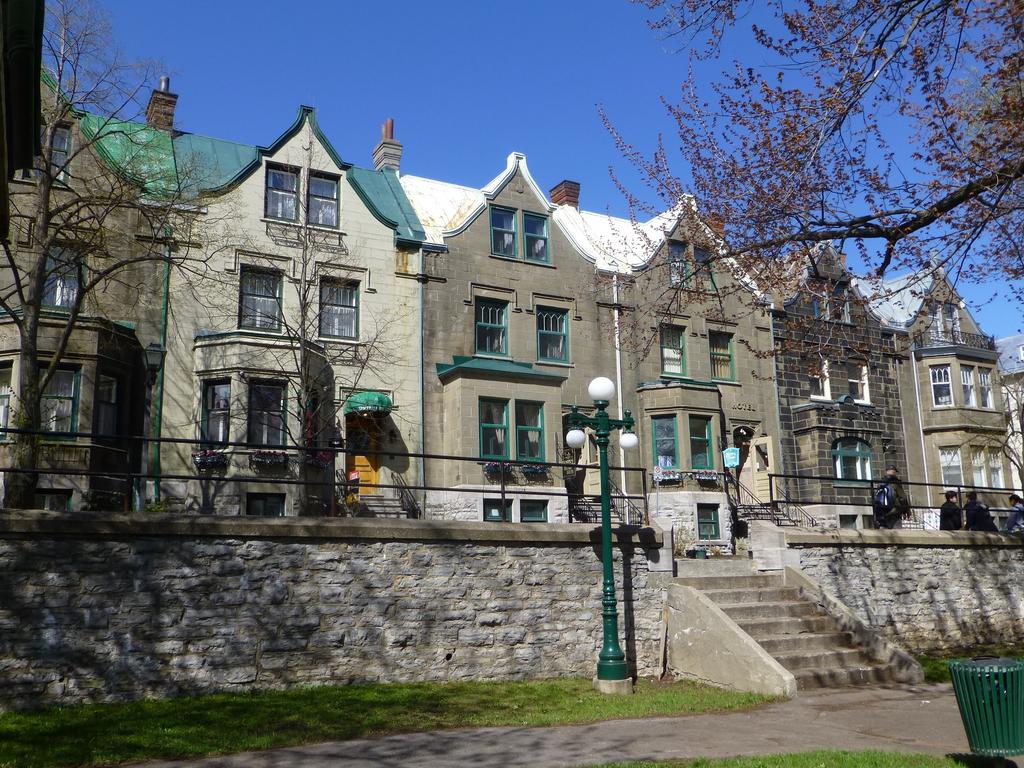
890 503
950 515
1015 522
977 514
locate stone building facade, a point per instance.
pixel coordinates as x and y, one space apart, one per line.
953 402
839 372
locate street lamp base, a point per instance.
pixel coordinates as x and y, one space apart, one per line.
614 687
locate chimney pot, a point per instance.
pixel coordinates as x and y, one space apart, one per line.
160 110
566 193
388 153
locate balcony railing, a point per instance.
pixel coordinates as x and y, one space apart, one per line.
945 338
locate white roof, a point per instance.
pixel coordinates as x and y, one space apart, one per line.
610 242
896 301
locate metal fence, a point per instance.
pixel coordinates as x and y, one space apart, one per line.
118 465
809 490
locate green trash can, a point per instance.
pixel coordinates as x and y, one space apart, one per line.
990 694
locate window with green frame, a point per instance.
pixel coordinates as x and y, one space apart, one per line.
533 511
666 444
529 431
535 232
497 512
264 504
701 455
723 366
53 500
491 319
5 397
503 232
493 429
707 522
59 403
259 300
552 334
678 268
673 350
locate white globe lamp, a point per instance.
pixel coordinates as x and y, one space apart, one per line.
628 440
601 388
575 438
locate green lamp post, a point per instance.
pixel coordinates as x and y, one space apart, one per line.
612 673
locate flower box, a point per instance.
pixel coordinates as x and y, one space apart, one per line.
534 470
319 459
494 467
209 459
704 475
268 459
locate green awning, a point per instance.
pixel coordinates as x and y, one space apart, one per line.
368 403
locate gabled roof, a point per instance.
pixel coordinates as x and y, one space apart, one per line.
230 162
191 165
897 301
142 154
447 209
612 243
1009 354
382 193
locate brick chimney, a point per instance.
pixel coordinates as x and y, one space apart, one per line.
387 154
160 111
566 193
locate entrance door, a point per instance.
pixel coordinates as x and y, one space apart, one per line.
762 460
363 434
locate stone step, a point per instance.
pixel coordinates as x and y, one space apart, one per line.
763 595
704 583
768 610
824 660
715 566
786 625
810 641
865 674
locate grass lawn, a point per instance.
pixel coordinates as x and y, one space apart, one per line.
936 668
205 725
807 760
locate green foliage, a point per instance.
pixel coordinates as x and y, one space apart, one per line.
827 759
146 730
156 507
936 667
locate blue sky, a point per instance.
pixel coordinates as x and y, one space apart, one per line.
466 82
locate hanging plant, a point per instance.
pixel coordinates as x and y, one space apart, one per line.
209 459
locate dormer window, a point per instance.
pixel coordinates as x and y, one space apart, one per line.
323 200
282 197
535 229
60 152
503 232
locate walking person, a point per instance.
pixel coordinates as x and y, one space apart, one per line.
890 503
950 515
977 515
1015 522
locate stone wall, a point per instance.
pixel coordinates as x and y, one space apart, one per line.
118 608
924 590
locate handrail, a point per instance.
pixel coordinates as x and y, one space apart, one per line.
939 338
406 497
630 513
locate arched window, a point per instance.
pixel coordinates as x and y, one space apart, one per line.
853 458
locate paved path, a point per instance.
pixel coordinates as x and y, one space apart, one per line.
895 718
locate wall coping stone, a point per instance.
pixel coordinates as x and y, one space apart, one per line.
33 522
899 538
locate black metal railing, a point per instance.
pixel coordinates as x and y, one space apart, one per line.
406 498
848 492
945 338
217 464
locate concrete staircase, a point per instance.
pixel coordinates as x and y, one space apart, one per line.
793 630
378 505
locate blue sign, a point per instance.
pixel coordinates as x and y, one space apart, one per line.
731 457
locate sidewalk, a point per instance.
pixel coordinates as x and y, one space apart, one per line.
894 718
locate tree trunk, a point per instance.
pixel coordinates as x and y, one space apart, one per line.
20 487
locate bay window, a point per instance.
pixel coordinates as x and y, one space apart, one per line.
942 392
